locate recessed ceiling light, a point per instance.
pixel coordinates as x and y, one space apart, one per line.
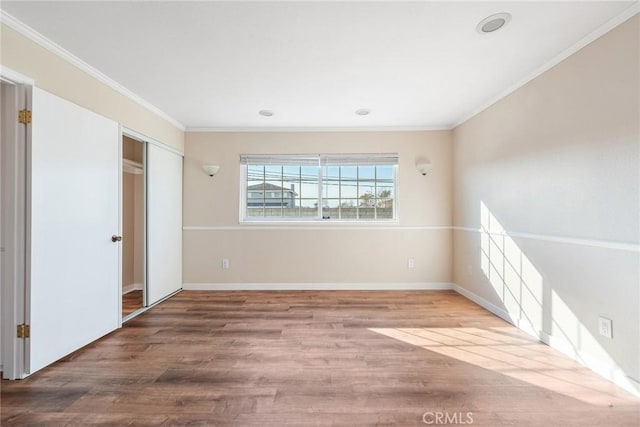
266 113
493 23
362 112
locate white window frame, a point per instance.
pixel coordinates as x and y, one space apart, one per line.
322 160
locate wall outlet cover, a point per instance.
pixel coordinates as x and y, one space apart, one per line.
605 327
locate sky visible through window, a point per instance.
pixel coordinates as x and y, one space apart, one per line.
347 192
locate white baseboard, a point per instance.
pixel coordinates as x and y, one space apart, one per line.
317 286
503 314
600 367
132 287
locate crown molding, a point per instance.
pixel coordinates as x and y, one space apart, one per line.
249 129
59 51
38 38
592 36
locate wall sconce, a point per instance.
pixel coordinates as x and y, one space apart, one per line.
423 166
211 170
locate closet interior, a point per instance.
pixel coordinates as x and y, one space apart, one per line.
133 227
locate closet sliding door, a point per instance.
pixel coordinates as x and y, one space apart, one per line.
164 223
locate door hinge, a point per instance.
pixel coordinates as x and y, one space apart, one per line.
24 331
24 116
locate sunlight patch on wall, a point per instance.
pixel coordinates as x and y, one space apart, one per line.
567 327
533 305
511 274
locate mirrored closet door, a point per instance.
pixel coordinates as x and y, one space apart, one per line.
134 296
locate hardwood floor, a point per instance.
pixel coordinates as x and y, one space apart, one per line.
131 301
317 358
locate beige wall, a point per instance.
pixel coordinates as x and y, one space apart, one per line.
316 253
61 78
558 160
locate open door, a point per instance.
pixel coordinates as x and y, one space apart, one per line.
72 286
13 137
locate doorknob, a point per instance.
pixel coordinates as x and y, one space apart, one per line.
115 238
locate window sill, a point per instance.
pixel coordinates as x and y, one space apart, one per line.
320 222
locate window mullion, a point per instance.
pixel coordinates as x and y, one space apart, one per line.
264 191
281 191
375 192
320 202
358 192
299 192
339 192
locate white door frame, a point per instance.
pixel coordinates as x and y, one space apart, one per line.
14 222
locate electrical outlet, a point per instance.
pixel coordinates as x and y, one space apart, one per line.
411 263
225 263
605 326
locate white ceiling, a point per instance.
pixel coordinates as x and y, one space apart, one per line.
413 64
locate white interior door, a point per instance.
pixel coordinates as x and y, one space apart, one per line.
73 284
13 137
164 223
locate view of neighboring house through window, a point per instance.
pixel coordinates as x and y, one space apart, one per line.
314 187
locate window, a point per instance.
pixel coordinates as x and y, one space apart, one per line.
318 187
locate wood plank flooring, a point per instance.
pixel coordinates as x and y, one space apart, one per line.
344 358
131 301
